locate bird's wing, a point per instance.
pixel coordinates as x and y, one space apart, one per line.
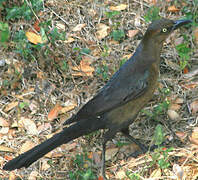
125 85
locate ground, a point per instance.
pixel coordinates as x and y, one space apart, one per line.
55 55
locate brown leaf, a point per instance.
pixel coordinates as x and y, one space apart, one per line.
12 176
120 174
33 38
195 32
26 146
84 69
194 137
78 27
54 112
194 106
33 175
6 149
173 9
118 8
156 173
29 125
173 115
102 31
4 123
11 106
132 33
44 165
110 153
178 171
181 135
174 107
179 101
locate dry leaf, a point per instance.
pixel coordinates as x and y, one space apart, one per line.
190 85
179 101
12 176
29 125
118 8
194 106
69 40
173 115
4 123
174 107
4 130
45 165
156 173
84 69
26 146
195 32
33 38
178 171
102 31
6 149
110 153
78 27
54 112
11 106
33 175
181 135
120 174
132 33
100 178
173 9
61 26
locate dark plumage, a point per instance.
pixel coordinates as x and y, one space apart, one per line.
118 103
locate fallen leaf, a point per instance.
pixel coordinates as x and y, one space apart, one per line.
69 40
36 25
173 115
110 153
84 69
156 173
61 26
11 106
4 130
78 27
178 171
120 174
174 107
12 176
173 9
132 33
33 38
6 149
4 123
194 106
181 135
54 112
185 70
190 85
195 32
100 178
102 31
118 8
179 101
44 165
29 125
26 146
33 175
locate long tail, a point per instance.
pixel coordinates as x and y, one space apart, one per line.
68 134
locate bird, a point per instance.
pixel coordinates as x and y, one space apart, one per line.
118 103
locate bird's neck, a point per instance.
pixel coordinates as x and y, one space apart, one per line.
151 49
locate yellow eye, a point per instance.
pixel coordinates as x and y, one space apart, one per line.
164 30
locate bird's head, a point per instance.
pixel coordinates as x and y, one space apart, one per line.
159 30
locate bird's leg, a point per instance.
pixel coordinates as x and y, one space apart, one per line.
103 160
143 148
108 136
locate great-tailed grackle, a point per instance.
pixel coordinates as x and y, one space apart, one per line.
118 103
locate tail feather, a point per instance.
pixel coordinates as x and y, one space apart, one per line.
68 134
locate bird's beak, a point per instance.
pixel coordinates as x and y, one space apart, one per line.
179 23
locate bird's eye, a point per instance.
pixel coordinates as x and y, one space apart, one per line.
164 30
